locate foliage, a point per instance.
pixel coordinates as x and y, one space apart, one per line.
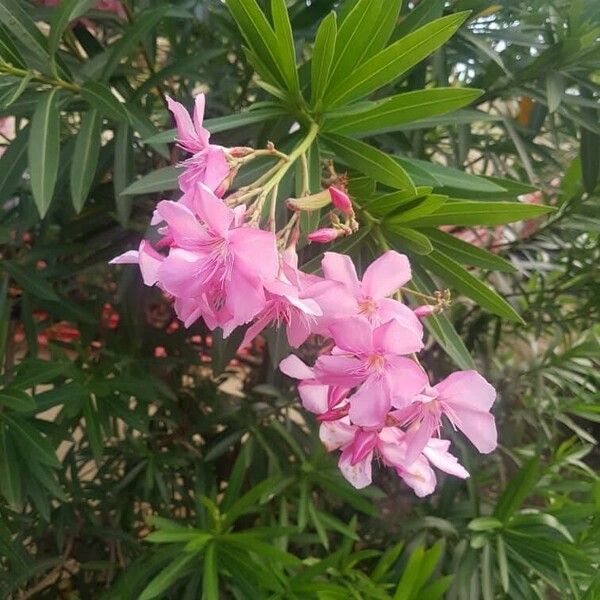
137 460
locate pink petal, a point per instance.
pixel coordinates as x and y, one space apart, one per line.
212 210
293 367
437 453
336 434
255 252
418 436
370 404
150 261
363 444
467 389
261 323
244 298
186 134
339 267
420 477
297 331
352 335
314 397
183 225
394 338
202 133
388 309
178 273
131 257
406 379
217 167
339 370
479 427
385 275
359 474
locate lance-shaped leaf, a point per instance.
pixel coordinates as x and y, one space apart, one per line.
62 15
393 61
322 58
370 161
85 158
457 276
389 114
12 164
44 150
8 51
100 97
15 17
156 181
285 45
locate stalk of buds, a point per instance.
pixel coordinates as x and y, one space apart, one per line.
222 259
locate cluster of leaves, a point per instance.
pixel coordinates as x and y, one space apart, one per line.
126 469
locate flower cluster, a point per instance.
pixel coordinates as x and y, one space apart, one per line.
367 388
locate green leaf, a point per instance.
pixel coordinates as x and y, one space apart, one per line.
15 17
590 158
34 372
484 524
380 206
44 149
263 549
85 158
62 15
426 206
159 180
469 213
12 164
93 432
100 97
210 574
389 64
466 253
29 280
5 314
322 57
8 51
168 576
285 44
436 589
259 36
123 171
370 161
407 583
519 487
555 88
439 326
404 238
458 277
387 115
10 474
447 176
142 25
17 400
502 563
30 440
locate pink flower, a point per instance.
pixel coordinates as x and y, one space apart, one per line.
208 163
148 259
286 304
425 310
107 5
465 398
371 359
360 446
325 235
369 297
214 260
320 399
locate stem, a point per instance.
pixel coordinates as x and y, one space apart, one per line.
417 294
300 149
55 82
305 175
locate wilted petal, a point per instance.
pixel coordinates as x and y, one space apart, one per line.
437 453
336 434
359 474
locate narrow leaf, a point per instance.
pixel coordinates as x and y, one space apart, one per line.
322 58
370 161
157 181
85 158
44 150
29 280
100 97
31 441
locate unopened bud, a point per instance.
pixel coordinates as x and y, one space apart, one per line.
308 203
325 235
239 151
340 200
425 310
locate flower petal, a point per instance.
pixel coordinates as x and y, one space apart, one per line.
370 404
212 210
393 338
352 335
293 367
183 225
339 267
385 275
359 474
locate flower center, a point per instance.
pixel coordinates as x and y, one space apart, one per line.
376 362
367 306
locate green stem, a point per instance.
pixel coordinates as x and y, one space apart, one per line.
302 147
54 82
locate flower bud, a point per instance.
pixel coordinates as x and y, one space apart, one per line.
340 200
425 310
325 235
313 202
